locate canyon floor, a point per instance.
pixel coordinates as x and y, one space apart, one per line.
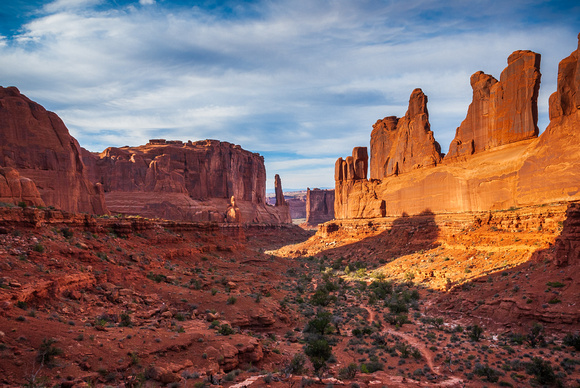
471 299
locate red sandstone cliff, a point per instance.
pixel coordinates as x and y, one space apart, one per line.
191 181
508 173
501 112
319 206
401 145
38 145
15 189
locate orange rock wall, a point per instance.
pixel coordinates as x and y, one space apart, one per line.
319 206
516 173
190 181
501 112
38 145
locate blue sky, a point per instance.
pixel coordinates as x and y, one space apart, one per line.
300 82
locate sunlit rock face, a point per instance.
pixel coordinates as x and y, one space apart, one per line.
399 145
189 181
496 160
501 112
38 145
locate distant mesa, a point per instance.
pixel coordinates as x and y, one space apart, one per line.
192 181
319 206
495 161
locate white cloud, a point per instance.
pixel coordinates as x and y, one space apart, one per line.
146 2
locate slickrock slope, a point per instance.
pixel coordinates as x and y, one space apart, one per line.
191 181
38 145
401 145
520 173
501 112
319 206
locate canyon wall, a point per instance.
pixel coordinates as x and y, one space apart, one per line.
47 159
319 206
191 181
501 112
505 165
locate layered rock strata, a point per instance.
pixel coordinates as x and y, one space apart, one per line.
191 181
319 206
37 144
516 168
503 111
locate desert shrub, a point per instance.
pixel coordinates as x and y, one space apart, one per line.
322 298
125 320
231 300
296 365
371 366
349 372
67 232
555 284
318 351
38 247
320 324
542 371
157 278
490 374
535 335
475 332
47 351
225 329
572 340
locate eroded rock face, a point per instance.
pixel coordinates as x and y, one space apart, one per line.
279 193
401 145
191 181
37 144
15 188
319 206
501 112
511 168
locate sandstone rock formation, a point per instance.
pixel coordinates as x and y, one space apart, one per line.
191 181
279 193
401 145
233 214
15 189
37 144
319 206
501 112
514 168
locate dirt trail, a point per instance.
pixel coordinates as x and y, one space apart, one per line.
425 352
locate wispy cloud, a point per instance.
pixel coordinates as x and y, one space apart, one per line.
295 77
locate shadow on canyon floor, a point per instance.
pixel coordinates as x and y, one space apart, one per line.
406 235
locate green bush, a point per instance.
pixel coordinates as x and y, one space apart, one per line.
225 329
47 352
318 351
542 371
572 340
